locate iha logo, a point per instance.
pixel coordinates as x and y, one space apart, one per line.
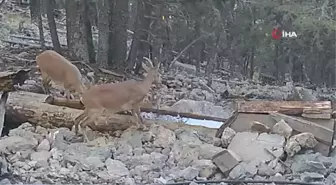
277 34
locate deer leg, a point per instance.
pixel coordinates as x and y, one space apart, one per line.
46 84
139 120
92 116
68 94
79 118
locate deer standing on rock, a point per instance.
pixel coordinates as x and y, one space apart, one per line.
116 97
54 66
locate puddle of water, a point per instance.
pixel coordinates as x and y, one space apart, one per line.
189 121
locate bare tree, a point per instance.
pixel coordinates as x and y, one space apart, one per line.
103 30
77 31
50 4
40 24
34 7
118 34
140 44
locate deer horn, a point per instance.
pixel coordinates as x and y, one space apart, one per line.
149 61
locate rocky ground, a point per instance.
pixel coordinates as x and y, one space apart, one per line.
37 155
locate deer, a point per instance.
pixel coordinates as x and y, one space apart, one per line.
54 66
117 97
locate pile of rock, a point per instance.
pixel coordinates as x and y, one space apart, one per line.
37 155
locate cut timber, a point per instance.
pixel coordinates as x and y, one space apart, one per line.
274 106
322 134
10 78
317 113
31 107
78 105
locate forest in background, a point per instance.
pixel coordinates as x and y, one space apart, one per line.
210 34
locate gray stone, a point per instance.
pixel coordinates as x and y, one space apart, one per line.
207 151
158 159
306 140
184 154
92 163
190 173
5 181
259 127
43 146
302 164
251 146
226 160
243 170
311 176
163 137
14 144
331 179
188 136
292 147
138 151
207 168
160 181
134 161
265 170
227 136
3 166
116 169
282 128
40 156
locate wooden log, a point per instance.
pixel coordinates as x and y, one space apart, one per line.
264 106
10 78
33 108
76 104
27 106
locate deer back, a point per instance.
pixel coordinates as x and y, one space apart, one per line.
59 69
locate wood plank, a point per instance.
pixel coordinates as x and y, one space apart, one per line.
317 113
265 106
321 133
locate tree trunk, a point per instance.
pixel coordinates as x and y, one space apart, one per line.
40 25
34 8
118 35
50 4
76 30
139 46
103 30
88 29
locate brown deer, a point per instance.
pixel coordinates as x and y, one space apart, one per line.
116 97
54 66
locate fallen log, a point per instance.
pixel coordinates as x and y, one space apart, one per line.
31 107
289 107
76 104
